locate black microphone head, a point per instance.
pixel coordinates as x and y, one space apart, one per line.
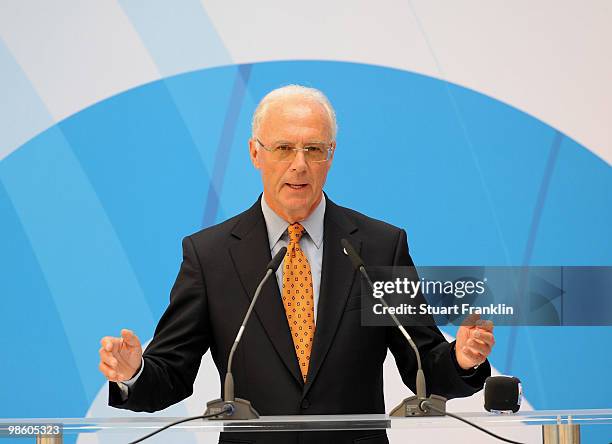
503 394
277 259
352 254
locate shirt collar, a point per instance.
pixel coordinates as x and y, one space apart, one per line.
277 226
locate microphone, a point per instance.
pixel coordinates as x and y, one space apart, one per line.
230 406
414 405
503 394
276 260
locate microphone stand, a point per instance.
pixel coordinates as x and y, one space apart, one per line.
230 406
413 405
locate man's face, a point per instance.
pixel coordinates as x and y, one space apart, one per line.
292 189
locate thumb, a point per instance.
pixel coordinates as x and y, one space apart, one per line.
471 320
130 338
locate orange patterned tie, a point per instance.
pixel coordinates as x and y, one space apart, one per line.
298 298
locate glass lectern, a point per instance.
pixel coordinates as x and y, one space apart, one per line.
558 426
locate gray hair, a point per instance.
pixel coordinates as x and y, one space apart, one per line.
294 91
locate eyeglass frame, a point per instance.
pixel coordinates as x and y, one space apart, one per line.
330 151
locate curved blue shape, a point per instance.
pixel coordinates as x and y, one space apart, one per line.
142 161
38 362
79 255
473 181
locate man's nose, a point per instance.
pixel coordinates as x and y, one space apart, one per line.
299 161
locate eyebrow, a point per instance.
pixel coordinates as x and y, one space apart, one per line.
293 143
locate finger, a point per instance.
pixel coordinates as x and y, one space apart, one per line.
108 359
471 320
483 349
478 341
109 343
475 357
483 336
108 372
470 356
129 337
479 345
485 325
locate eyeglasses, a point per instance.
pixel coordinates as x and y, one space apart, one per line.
286 152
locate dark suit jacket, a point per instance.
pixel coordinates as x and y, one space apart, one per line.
222 265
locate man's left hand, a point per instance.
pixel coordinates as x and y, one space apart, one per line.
474 342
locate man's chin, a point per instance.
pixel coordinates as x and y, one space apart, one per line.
297 209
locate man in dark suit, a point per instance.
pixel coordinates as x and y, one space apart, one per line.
304 351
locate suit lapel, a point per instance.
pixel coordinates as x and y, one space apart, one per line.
250 256
337 275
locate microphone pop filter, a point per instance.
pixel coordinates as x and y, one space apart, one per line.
277 259
503 394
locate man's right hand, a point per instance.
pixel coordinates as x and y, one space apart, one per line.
120 358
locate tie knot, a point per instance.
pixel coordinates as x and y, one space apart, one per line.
295 232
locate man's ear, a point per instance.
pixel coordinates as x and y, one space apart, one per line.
254 153
332 153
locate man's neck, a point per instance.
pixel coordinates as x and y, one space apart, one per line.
293 218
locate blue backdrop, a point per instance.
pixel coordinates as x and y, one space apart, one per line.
92 212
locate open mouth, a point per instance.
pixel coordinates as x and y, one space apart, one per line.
296 186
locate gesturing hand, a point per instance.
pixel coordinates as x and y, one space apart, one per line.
120 358
474 343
